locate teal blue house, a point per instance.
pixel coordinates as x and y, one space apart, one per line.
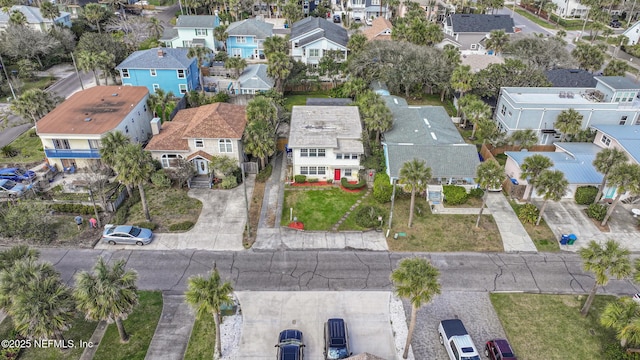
245 38
161 68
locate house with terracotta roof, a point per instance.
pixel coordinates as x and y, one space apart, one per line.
71 133
200 134
380 29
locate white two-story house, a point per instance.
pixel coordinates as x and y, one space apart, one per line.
192 30
311 37
326 142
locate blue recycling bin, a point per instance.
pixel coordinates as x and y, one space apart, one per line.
568 239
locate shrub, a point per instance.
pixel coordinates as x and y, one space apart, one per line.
181 226
345 184
146 225
528 213
597 211
9 353
367 216
264 174
586 195
476 193
312 180
161 180
74 208
454 195
329 181
229 182
382 188
300 179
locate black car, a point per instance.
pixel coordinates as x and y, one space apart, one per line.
615 24
336 340
336 19
290 345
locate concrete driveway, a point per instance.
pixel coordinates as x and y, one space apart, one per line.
265 314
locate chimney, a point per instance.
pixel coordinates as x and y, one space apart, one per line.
160 52
155 126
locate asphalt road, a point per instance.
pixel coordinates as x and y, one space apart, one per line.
558 273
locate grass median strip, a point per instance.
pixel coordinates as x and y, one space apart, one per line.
202 340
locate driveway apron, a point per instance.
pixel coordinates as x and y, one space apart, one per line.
514 237
173 331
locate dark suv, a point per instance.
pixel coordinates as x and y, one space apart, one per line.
336 340
290 345
499 349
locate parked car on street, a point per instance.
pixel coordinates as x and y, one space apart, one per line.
12 188
499 349
290 345
126 234
16 174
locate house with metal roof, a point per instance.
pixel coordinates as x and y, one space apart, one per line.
427 133
161 68
253 80
192 30
613 101
625 138
35 20
71 133
312 37
326 142
245 38
469 31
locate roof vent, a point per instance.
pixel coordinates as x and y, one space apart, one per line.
114 94
87 119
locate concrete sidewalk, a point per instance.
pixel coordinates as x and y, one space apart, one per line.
173 331
285 238
514 237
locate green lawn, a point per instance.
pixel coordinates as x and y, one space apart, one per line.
542 236
434 100
140 325
300 98
167 207
551 327
202 340
542 22
29 148
318 209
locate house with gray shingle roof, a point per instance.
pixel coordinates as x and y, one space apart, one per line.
427 133
468 32
311 37
245 38
35 19
192 30
161 68
253 80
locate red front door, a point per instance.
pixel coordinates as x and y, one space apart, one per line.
336 175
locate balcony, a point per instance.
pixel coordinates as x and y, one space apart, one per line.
72 153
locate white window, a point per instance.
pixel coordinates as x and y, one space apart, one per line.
187 43
156 87
225 145
236 52
354 156
125 73
375 2
623 120
153 72
347 172
474 46
199 143
304 152
241 39
183 88
503 110
304 170
170 160
312 152
313 170
314 52
181 74
201 32
339 156
605 140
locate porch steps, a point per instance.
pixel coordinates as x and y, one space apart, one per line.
199 182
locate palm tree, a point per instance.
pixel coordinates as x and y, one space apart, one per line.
432 34
34 104
259 140
523 138
605 160
156 27
110 144
201 54
207 296
415 279
415 174
357 43
476 110
625 177
568 122
531 168
135 167
106 62
16 253
604 261
262 108
17 18
220 34
49 11
89 61
160 100
623 316
589 57
354 87
279 67
489 175
94 13
616 67
109 294
462 81
237 64
553 186
497 41
377 118
274 44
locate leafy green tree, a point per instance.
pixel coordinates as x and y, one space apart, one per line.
274 44
416 280
201 54
513 73
97 43
415 175
17 18
489 175
207 296
108 294
531 168
616 67
625 177
604 261
553 185
497 41
29 221
135 167
589 57
26 68
331 64
568 122
607 159
24 42
623 316
279 67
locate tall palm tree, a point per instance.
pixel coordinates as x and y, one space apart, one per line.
160 99
433 34
207 296
259 140
15 253
523 138
553 185
625 177
476 110
279 67
489 175
497 41
108 294
604 261
220 34
49 11
156 27
415 174
377 118
17 18
623 316
616 67
94 13
531 168
262 108
135 167
237 64
200 53
607 159
462 80
89 61
568 122
415 279
110 144
34 104
589 57
354 87
18 277
274 44
106 62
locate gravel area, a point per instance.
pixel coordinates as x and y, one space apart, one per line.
230 332
400 326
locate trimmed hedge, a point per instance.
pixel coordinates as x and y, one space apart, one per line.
229 182
264 174
597 211
312 180
586 195
361 183
74 208
181 226
300 179
454 195
476 193
382 188
146 225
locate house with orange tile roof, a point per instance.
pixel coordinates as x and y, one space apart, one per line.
380 29
200 134
71 133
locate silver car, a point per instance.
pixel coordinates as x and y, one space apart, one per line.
126 234
12 188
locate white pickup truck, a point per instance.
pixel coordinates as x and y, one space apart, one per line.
457 341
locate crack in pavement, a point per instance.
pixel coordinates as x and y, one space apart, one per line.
177 283
573 278
531 272
366 280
